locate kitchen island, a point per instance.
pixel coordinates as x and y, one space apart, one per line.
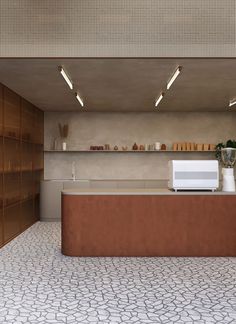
148 222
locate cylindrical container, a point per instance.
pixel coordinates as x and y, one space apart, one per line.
64 146
228 179
157 146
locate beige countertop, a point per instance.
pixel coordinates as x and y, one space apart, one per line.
92 191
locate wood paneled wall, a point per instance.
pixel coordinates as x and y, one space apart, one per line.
21 163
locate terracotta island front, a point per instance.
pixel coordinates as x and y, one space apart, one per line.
148 222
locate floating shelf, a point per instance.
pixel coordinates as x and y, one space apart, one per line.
120 151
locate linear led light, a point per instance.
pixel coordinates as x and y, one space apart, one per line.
159 99
174 76
79 99
66 78
232 102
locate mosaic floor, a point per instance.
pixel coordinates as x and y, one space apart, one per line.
39 285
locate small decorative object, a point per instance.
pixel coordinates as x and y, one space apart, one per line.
183 146
192 146
63 130
199 147
163 147
107 147
157 146
141 147
64 146
135 147
174 146
188 146
124 148
179 146
212 147
151 147
146 147
116 148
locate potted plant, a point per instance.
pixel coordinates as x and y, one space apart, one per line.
219 146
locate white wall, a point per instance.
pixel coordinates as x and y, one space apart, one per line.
124 129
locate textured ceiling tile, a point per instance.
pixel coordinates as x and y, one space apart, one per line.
117 28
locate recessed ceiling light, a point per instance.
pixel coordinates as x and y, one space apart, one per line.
174 76
79 99
159 99
232 102
65 76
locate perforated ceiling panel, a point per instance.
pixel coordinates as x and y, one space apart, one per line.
117 28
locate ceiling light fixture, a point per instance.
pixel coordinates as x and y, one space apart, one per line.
79 99
159 99
65 76
174 76
232 102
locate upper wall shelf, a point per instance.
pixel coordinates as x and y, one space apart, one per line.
120 151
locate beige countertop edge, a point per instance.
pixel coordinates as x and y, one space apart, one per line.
141 192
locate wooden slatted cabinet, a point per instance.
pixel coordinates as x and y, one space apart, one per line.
21 163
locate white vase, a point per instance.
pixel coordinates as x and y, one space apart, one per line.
157 146
64 146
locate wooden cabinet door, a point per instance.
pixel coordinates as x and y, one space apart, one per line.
27 213
12 113
28 119
11 222
1 109
1 226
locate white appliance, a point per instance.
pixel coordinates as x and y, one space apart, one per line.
193 175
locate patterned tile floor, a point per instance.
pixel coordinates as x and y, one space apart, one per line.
39 285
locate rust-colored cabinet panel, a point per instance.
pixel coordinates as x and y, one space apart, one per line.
38 135
27 121
11 222
27 185
27 156
11 188
196 225
11 155
12 113
1 227
1 110
38 157
1 155
27 213
1 190
37 175
36 207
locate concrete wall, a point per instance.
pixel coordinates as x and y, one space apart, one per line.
124 129
57 28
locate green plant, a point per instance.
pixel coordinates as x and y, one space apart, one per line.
219 146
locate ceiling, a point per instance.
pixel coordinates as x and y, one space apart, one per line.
125 85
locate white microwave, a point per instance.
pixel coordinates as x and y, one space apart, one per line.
193 175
